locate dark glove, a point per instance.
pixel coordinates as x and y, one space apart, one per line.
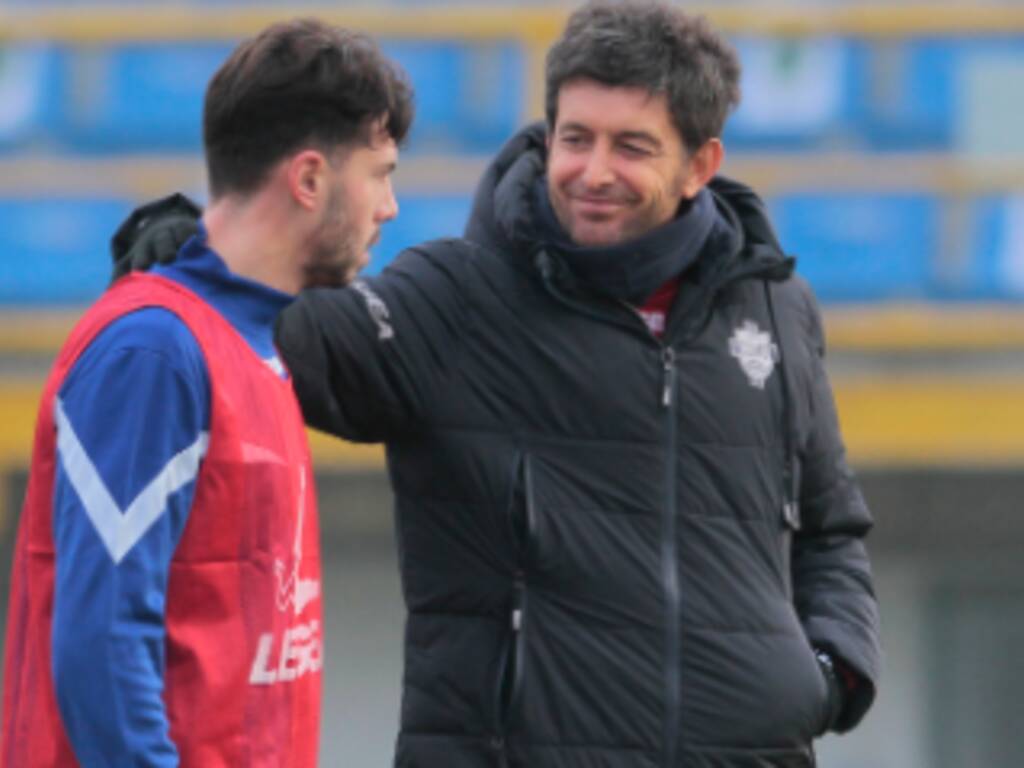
153 234
836 689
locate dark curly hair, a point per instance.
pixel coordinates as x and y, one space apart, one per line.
650 44
297 82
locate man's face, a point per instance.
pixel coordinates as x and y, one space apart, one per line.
360 199
617 167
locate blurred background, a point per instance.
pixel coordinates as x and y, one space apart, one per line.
888 139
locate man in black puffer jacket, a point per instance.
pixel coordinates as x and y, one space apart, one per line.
628 534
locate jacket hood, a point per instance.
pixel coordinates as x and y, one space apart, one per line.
504 214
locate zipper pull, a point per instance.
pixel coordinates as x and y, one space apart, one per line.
518 588
791 503
668 359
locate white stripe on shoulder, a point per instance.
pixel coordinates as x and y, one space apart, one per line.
122 531
274 363
96 499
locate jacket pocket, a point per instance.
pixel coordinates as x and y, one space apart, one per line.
522 514
790 521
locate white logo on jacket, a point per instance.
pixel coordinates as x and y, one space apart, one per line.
379 312
292 589
755 351
299 651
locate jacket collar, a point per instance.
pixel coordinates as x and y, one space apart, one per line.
630 271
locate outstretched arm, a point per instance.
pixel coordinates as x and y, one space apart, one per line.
369 361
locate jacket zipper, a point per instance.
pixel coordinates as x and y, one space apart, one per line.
510 685
669 555
670 573
513 656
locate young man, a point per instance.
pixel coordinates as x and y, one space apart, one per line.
629 536
165 606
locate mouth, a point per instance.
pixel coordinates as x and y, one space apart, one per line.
597 206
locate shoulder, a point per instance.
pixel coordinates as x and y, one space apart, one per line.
799 294
152 337
154 328
464 266
797 308
449 258
450 270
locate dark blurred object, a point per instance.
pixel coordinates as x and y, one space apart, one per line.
153 234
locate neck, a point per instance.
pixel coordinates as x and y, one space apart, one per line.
250 235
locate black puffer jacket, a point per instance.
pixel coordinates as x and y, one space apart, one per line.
616 552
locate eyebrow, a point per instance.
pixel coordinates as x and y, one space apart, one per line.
573 127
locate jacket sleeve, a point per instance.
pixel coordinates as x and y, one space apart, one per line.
131 431
367 360
832 582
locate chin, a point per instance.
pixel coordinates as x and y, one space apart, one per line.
594 237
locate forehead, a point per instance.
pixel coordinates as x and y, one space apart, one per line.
614 109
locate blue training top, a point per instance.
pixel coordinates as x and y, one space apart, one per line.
138 396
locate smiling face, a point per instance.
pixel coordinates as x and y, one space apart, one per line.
617 166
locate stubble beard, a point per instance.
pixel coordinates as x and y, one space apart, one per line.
336 255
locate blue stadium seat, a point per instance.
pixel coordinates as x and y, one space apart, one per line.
149 97
31 92
861 247
904 93
139 97
996 270
56 251
796 94
469 97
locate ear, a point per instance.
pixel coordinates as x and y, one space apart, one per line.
306 174
704 164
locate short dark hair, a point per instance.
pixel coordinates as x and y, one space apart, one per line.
650 44
297 82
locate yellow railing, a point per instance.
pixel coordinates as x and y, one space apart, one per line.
534 28
138 177
906 419
99 24
874 329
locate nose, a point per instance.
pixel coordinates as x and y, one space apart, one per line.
389 206
597 172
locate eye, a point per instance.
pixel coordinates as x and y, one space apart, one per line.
572 140
635 150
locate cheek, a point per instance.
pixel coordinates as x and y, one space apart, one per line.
648 185
360 209
561 169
